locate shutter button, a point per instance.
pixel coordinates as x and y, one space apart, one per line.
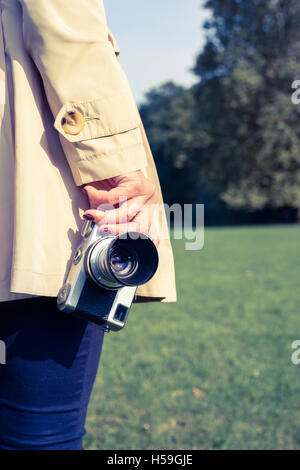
72 122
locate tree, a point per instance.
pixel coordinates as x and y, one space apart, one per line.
247 141
167 116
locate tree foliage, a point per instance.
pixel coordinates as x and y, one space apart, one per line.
235 135
166 115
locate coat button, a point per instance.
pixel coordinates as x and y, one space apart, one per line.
72 122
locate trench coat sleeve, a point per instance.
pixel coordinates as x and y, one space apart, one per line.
72 47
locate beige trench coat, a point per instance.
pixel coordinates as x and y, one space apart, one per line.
57 56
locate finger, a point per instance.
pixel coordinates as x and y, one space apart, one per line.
135 226
124 213
141 223
114 195
148 213
118 229
147 226
94 215
96 196
127 210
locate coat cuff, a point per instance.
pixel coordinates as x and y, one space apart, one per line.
105 157
101 117
107 141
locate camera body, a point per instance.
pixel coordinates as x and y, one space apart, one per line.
104 275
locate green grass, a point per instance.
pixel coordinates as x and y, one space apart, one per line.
214 370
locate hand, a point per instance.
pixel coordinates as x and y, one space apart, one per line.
135 210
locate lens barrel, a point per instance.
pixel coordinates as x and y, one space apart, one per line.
129 259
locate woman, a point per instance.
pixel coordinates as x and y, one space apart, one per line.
71 139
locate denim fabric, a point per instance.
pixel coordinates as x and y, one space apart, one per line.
45 385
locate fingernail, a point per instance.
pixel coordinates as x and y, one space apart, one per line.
104 230
88 217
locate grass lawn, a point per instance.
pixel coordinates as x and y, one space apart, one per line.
214 370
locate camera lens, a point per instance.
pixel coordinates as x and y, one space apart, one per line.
122 261
129 259
133 258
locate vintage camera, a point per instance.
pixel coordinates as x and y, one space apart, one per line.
104 276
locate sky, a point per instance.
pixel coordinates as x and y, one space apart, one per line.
158 40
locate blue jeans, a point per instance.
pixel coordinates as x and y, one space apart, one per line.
45 385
